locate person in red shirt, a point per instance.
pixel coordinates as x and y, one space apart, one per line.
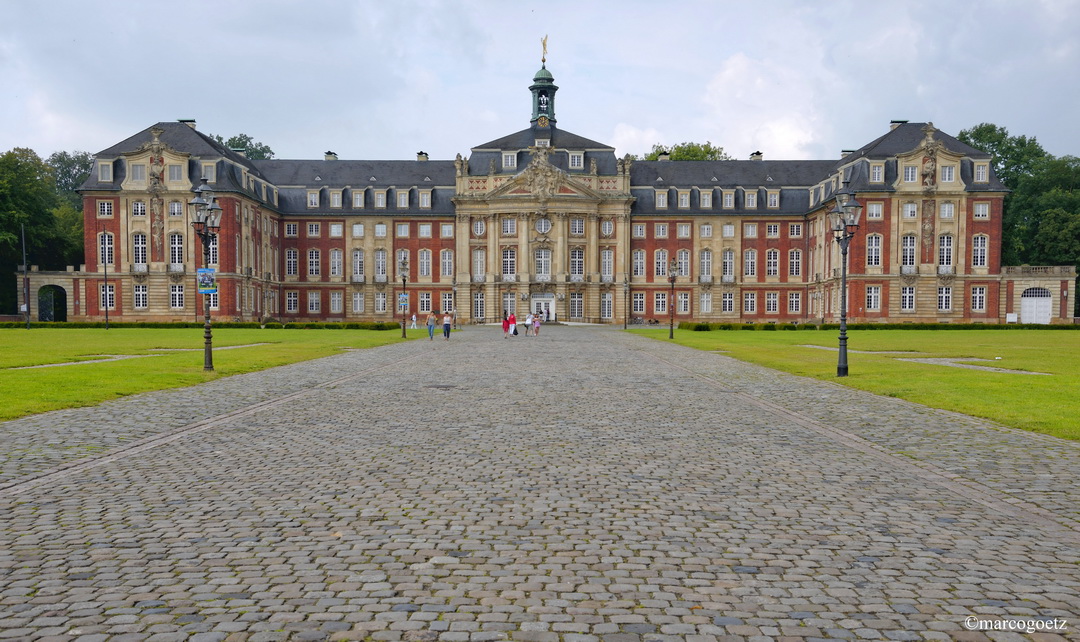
513 324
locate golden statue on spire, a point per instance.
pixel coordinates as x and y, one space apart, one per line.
543 43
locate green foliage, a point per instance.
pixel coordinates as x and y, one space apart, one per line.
688 151
27 200
253 149
71 170
1014 156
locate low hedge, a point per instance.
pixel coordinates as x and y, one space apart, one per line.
191 324
772 327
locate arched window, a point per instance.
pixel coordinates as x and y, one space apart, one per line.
138 247
795 263
683 258
105 248
577 261
446 263
705 262
727 266
772 262
750 263
358 262
945 250
424 262
639 263
873 250
978 251
661 263
176 249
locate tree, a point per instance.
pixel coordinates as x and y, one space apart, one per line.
253 149
27 200
1014 156
688 152
71 170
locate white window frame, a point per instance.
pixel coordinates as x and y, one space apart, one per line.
577 160
979 247
944 299
660 302
978 298
683 230
794 305
873 298
380 230
980 211
335 199
509 160
907 298
873 250
875 211
911 173
661 200
176 296
140 296
911 210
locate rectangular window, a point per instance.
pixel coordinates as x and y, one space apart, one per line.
577 305
138 247
314 263
683 299
606 305
140 298
423 259
751 200
358 262
706 231
479 306
772 302
105 172
795 230
105 208
727 302
577 160
291 229
402 230
446 263
380 230
425 200
176 208
639 230
312 199
357 302
660 230
138 208
314 301
706 199
380 201
749 263
772 263
729 200
638 303
107 297
661 200
423 230
749 302
292 302
176 296
292 262
336 263
659 302
176 173
907 250
947 210
402 198
314 230
877 173
945 250
772 230
911 173
875 211
639 263
981 211
209 172
795 263
948 173
705 303
446 230
479 263
358 199
907 299
944 299
873 250
773 199
728 230
911 210
684 200
978 251
683 230
337 230
978 299
750 230
448 302
794 302
982 173
577 226
509 160
873 297
607 264
509 226
336 306
380 302
358 230
423 302
335 199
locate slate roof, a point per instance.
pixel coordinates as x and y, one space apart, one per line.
527 138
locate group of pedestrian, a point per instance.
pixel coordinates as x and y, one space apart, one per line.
510 325
432 321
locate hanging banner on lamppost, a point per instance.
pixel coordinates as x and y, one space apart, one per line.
207 279
403 301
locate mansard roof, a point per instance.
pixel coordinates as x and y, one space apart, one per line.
526 138
357 174
905 137
729 174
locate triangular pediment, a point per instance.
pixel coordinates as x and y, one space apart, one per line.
542 180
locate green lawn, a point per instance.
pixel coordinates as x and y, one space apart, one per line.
30 391
1046 404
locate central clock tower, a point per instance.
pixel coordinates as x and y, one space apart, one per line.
543 98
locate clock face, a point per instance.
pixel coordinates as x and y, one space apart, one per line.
542 121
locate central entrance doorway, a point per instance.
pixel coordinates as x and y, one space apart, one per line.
544 305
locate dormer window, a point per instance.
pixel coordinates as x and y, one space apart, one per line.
684 200
948 173
661 200
335 199
982 172
138 173
751 200
877 173
509 160
313 199
543 142
403 198
773 197
105 172
209 172
706 199
577 160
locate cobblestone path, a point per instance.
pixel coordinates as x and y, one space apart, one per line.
586 485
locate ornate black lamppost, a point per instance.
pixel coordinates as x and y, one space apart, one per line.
626 301
672 273
403 270
206 220
844 220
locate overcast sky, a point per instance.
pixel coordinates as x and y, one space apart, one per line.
384 79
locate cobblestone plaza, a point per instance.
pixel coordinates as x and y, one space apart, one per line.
586 485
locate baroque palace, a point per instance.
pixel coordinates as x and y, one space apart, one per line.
546 220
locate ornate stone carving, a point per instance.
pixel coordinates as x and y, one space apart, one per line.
929 161
928 209
946 279
909 279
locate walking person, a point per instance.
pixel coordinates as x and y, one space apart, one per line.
513 324
431 320
447 321
506 326
528 324
413 326
536 326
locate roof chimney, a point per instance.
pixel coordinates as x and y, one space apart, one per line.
242 151
330 156
664 156
421 156
190 122
757 156
893 124
846 152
